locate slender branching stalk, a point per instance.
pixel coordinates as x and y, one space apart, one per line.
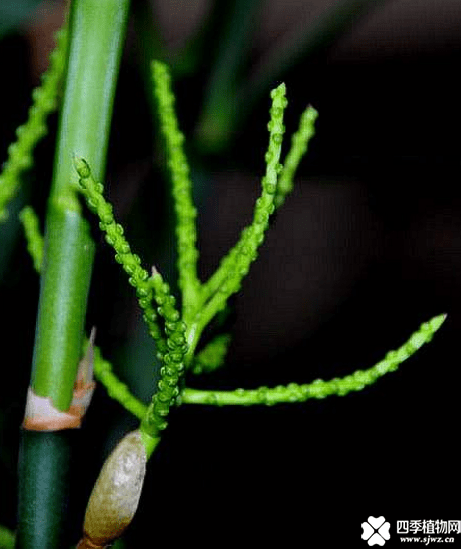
319 389
212 356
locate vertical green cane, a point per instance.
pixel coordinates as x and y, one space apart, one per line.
97 29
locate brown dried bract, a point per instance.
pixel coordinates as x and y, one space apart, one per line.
41 415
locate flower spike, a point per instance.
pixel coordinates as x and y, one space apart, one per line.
227 279
319 389
186 232
299 142
131 263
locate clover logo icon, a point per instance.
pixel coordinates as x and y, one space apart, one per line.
376 531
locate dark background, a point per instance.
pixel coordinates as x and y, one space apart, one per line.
365 249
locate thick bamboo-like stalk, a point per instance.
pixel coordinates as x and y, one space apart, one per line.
96 33
97 29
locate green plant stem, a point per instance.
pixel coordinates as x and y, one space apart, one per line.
96 34
318 389
102 368
155 419
290 393
64 288
43 480
97 31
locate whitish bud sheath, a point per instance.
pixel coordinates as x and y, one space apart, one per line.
115 496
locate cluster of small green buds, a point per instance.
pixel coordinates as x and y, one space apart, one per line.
186 232
212 356
253 235
319 389
299 143
114 234
173 366
171 345
227 279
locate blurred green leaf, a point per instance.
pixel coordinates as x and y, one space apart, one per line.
6 538
13 13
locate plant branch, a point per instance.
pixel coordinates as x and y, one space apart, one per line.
319 389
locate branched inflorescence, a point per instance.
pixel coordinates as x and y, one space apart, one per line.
45 99
171 350
174 334
290 393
